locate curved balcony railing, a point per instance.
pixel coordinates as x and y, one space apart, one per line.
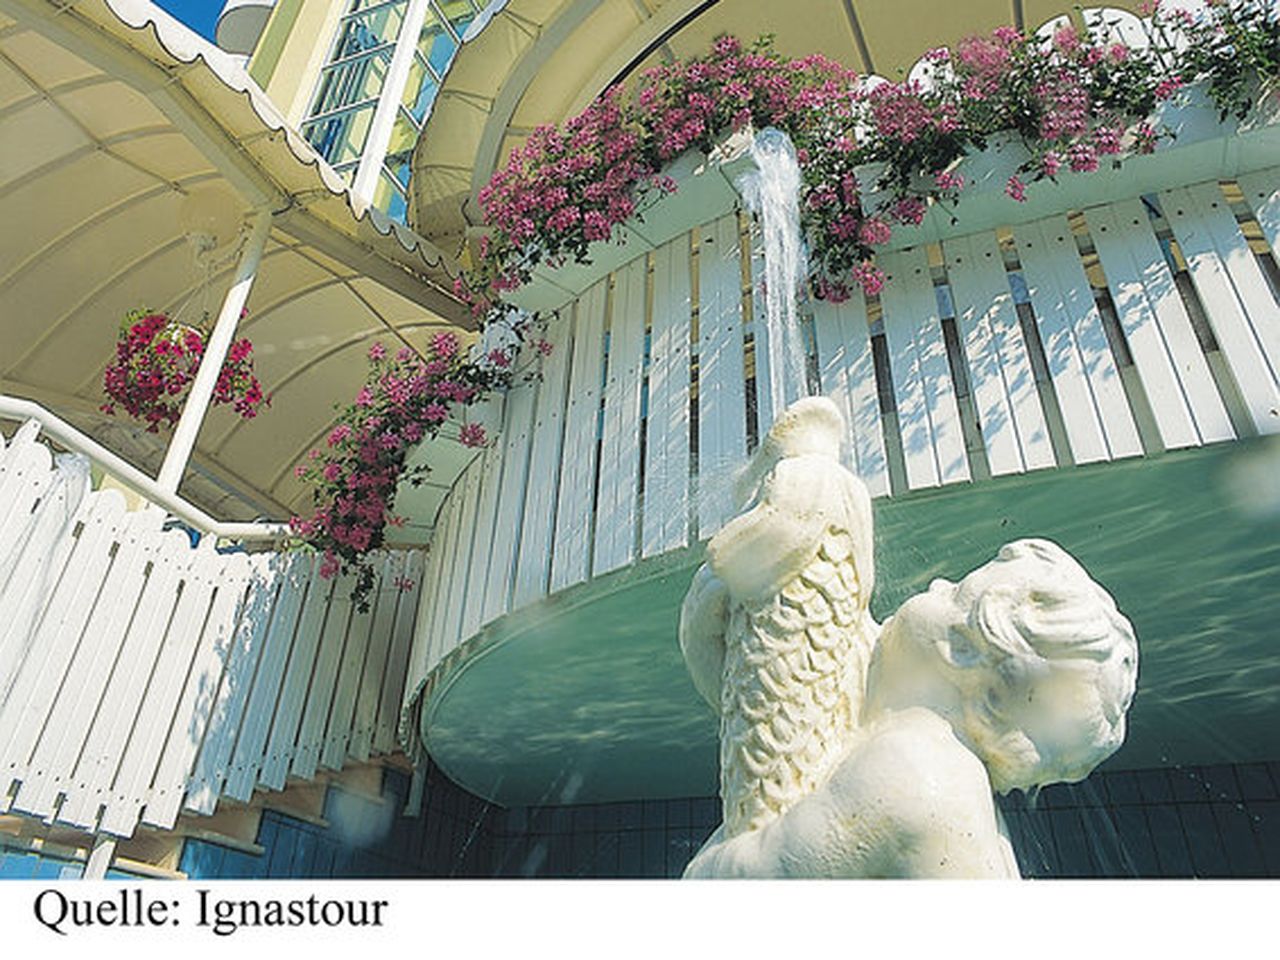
142 676
1106 327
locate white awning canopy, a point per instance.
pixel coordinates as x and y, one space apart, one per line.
112 115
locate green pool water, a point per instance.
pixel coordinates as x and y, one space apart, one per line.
584 697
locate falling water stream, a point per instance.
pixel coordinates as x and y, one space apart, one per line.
772 192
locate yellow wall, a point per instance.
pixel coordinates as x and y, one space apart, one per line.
293 47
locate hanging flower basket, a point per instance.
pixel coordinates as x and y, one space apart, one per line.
155 363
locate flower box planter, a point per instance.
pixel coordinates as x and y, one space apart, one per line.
704 191
1203 148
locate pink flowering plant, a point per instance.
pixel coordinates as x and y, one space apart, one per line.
156 361
1233 46
407 397
1077 100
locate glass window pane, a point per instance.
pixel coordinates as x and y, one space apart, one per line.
340 139
420 91
388 198
350 82
436 45
370 29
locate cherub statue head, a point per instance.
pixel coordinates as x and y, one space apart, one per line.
1027 657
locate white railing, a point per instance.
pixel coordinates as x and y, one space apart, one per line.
1068 339
141 676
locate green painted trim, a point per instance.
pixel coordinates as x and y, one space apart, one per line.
266 55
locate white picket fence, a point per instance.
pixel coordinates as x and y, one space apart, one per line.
625 446
141 677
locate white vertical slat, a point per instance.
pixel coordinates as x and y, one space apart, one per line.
392 695
171 558
27 470
324 678
460 592
156 714
34 544
297 678
1014 431
615 526
59 633
517 434
1095 411
533 560
73 711
28 474
267 571
928 418
375 665
450 573
420 652
571 553
296 584
485 535
722 424
1174 373
1262 192
847 373
341 720
195 708
666 481
1236 300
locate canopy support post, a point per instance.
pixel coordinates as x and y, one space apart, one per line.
215 353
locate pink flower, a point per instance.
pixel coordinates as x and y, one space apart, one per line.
1066 39
1050 164
499 358
377 351
874 231
364 398
330 565
1168 87
444 345
544 347
949 180
472 435
1016 189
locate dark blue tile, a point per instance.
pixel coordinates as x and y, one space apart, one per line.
655 815
1041 855
630 854
655 853
1255 782
630 815
679 851
1136 847
1188 784
1154 786
1170 841
1122 788
606 860
707 811
1207 855
1244 855
1265 817
679 814
22 866
583 856
1220 782
280 854
584 818
1074 851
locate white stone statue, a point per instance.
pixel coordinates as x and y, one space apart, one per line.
837 761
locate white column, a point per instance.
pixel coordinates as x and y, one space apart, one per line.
215 353
384 115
